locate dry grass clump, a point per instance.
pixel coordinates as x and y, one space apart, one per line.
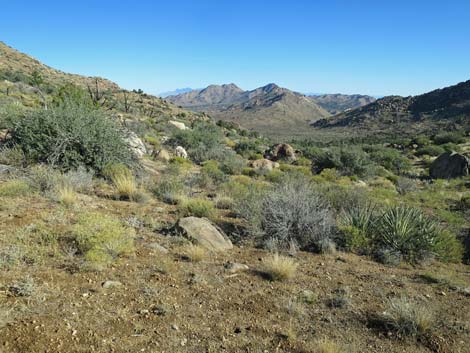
195 253
408 318
66 195
279 268
327 346
197 208
125 184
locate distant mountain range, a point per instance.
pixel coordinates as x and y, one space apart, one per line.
442 109
270 109
175 92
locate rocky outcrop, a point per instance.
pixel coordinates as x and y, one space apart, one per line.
262 166
281 151
135 144
204 233
450 165
162 155
178 125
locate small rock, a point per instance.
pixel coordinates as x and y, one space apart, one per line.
175 327
111 284
234 267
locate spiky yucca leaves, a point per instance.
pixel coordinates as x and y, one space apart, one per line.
413 234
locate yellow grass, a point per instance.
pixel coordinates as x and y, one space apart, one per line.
279 268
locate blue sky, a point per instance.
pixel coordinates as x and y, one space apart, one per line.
369 47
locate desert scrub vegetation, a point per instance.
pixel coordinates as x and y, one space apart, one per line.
397 232
415 236
349 160
407 318
15 188
194 253
294 211
101 239
279 268
66 195
197 207
124 183
69 136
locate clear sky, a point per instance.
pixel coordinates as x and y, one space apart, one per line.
370 47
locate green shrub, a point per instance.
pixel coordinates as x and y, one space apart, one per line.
430 150
249 148
102 238
388 158
14 188
197 208
346 160
357 225
415 236
449 137
211 169
70 136
12 156
232 164
169 188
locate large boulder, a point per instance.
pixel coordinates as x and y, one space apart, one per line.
263 166
281 151
178 125
135 143
449 165
203 232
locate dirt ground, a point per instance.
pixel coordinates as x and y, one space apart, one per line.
169 304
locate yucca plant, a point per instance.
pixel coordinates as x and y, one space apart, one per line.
410 232
357 224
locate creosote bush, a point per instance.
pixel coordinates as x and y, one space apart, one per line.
102 238
69 136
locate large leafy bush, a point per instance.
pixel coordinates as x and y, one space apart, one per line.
71 135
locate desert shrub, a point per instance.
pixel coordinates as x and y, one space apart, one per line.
211 169
407 318
169 188
414 235
24 287
357 225
274 176
14 188
295 211
279 268
197 208
405 185
224 202
421 140
70 136
249 148
430 150
44 178
80 179
12 156
232 164
102 238
346 160
449 137
388 158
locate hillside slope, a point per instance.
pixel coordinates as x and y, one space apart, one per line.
337 103
25 80
447 108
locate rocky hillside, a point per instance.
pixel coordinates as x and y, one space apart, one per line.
271 110
447 108
25 80
337 103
